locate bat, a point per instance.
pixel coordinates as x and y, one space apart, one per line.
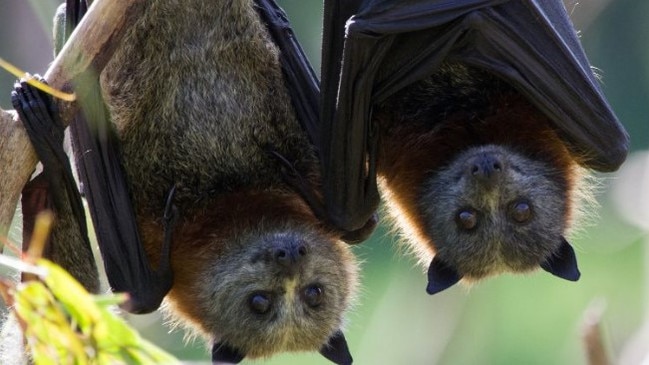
194 154
472 120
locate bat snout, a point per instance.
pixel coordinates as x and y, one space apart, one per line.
289 255
486 168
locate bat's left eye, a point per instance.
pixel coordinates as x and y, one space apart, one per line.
521 211
313 295
260 302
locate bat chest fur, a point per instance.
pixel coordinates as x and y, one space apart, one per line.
197 97
453 89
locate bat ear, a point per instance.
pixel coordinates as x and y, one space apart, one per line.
441 276
336 349
563 262
224 354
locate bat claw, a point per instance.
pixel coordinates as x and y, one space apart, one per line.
169 217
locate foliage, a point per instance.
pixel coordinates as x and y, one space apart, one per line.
64 324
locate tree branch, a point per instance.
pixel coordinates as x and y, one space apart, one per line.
89 48
592 334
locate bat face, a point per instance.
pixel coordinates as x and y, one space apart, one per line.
475 176
263 285
288 295
493 210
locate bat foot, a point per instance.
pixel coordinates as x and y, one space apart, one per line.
39 115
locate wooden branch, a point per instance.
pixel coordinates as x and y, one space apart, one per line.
592 334
89 48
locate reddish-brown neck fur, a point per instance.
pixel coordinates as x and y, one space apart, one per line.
411 150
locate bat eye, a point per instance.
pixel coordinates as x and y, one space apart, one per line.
260 303
313 295
521 212
466 219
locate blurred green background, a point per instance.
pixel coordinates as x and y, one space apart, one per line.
532 319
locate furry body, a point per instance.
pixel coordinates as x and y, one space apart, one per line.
197 97
433 132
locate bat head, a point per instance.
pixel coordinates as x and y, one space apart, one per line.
274 288
493 210
478 176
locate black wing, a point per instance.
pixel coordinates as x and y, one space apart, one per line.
301 81
304 90
373 48
106 189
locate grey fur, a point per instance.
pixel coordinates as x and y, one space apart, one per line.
195 91
498 243
77 259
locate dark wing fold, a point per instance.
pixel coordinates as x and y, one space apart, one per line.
304 90
382 46
301 81
106 188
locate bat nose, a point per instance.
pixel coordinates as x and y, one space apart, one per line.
486 167
289 255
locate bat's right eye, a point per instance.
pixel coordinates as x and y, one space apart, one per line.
313 295
521 211
260 302
466 219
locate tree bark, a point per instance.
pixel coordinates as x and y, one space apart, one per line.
88 49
